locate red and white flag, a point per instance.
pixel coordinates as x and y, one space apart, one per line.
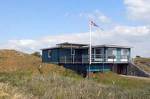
93 24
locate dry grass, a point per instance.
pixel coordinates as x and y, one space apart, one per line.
9 92
25 80
110 78
143 63
11 60
56 86
59 87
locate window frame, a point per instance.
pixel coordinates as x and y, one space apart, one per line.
73 52
124 52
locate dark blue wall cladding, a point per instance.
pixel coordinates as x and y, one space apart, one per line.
79 68
85 52
83 68
64 52
67 52
99 67
53 56
45 56
58 53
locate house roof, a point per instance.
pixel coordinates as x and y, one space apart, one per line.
82 46
112 46
49 48
67 45
73 44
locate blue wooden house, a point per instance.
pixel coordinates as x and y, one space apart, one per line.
76 57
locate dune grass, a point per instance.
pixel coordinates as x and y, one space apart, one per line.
56 86
111 78
143 63
27 77
8 91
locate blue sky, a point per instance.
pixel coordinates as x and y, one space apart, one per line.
33 18
25 23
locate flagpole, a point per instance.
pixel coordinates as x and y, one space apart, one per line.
90 40
90 46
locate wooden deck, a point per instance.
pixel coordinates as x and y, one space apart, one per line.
95 59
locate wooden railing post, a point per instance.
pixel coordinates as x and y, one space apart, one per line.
82 59
73 59
65 59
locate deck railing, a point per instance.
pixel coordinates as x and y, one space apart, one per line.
96 58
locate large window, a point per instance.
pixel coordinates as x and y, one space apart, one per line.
98 52
49 53
124 53
111 52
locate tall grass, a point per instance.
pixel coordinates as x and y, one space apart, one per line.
110 78
71 86
60 87
16 78
9 92
24 76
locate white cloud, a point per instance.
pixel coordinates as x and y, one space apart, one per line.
138 9
27 45
137 37
133 31
101 17
23 42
